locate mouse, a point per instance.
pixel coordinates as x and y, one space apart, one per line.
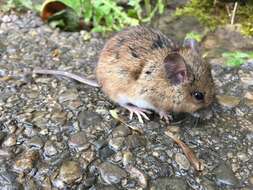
142 70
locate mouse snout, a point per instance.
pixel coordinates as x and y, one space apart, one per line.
204 113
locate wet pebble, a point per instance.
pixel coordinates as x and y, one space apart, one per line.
89 155
135 140
10 141
182 161
128 158
110 173
225 176
8 181
243 156
116 143
228 101
50 149
59 117
25 162
139 175
79 141
36 142
68 95
87 118
169 183
121 131
70 172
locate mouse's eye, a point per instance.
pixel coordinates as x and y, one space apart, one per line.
198 95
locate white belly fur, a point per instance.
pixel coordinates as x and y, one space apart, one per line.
141 103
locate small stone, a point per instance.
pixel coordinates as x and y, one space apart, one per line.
121 131
228 101
70 172
85 35
89 155
116 143
59 117
10 141
134 141
6 18
8 181
87 118
249 95
225 176
50 149
251 180
68 96
182 161
105 152
110 173
26 161
79 141
36 142
242 156
247 79
169 183
39 119
139 175
127 158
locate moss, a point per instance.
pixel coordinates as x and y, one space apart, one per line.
214 15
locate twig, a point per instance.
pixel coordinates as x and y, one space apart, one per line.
233 13
197 164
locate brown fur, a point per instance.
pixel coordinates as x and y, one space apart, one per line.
132 64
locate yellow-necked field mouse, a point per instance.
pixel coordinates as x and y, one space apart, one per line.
141 69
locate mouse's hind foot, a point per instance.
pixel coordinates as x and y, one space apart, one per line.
139 112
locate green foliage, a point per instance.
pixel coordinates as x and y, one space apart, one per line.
103 15
237 58
213 15
194 35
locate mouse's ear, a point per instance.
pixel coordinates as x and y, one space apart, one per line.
175 68
191 44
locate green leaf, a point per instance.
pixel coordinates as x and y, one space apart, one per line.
194 35
74 4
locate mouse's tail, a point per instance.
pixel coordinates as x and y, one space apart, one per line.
66 74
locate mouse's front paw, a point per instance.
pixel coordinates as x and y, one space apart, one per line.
139 112
166 116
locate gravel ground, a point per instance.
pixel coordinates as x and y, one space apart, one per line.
56 133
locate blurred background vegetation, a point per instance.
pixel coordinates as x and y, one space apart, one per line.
113 15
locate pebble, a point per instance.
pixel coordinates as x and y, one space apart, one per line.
228 101
182 161
36 142
50 149
243 156
111 174
10 141
251 180
88 155
121 131
127 158
87 118
135 140
25 162
8 181
69 95
70 172
116 143
169 183
139 175
225 176
79 141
